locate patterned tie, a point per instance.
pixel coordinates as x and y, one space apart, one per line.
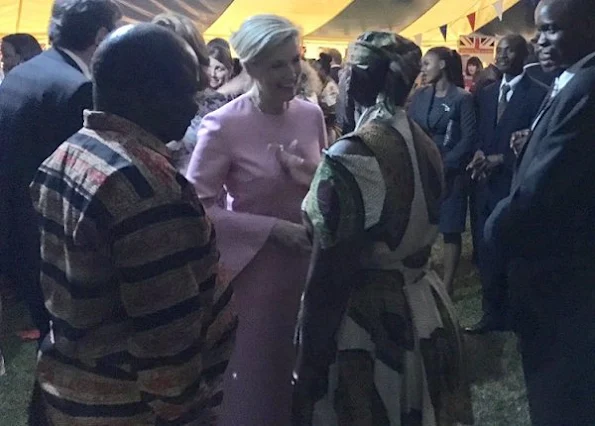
503 102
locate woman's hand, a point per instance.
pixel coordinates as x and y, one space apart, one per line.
299 169
291 236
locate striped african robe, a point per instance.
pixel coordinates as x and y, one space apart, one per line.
142 328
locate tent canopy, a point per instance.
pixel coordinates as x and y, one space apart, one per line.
330 23
519 19
363 15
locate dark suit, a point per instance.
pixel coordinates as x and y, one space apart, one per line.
41 105
545 229
451 123
494 138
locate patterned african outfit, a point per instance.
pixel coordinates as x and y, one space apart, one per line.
398 360
142 327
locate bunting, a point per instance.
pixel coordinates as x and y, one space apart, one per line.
444 30
471 18
499 7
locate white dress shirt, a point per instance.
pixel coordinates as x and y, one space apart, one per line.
561 82
512 84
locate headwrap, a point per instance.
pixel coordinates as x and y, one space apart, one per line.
402 57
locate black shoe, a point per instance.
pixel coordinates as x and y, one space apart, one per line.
487 325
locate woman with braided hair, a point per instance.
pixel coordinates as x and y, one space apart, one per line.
378 342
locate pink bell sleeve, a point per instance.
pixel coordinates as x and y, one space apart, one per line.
240 236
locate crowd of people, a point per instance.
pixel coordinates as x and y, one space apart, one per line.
203 240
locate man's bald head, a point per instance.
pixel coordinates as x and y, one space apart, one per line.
144 57
566 32
148 74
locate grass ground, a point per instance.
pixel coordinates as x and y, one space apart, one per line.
498 388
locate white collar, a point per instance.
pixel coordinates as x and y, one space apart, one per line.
79 62
532 65
564 78
513 82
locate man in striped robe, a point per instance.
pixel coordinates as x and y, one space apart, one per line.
142 327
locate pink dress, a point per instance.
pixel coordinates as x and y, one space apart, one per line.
232 153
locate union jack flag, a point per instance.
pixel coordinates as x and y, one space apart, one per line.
470 45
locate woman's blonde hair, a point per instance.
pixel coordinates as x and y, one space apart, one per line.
185 28
261 33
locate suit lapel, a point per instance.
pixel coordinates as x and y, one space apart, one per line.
489 110
537 133
445 106
444 109
517 101
547 103
493 104
545 106
428 104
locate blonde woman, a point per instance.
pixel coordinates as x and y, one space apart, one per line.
264 247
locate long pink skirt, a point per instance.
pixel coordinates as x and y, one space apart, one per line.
257 388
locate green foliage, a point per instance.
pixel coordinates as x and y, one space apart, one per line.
16 385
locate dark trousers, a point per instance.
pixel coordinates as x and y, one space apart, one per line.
476 228
491 264
20 251
36 415
552 303
560 377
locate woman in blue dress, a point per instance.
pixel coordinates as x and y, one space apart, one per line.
446 112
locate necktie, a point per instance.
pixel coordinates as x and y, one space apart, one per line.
503 102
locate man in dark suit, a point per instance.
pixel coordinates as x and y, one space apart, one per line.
546 226
41 105
503 107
